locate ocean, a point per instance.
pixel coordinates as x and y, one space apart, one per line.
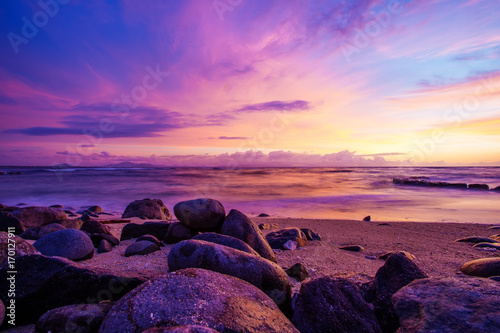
330 193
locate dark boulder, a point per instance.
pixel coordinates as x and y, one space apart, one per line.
22 247
134 230
262 273
229 241
97 238
196 297
200 214
45 283
367 218
81 318
485 267
150 238
278 238
333 304
476 239
298 272
352 248
311 235
38 216
104 246
95 209
141 248
95 227
150 208
181 329
178 232
8 221
68 243
263 215
71 223
449 305
483 187
404 253
38 232
238 225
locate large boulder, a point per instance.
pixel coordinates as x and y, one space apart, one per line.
397 272
178 232
134 230
95 227
238 225
278 238
200 214
449 305
484 267
150 208
38 232
229 241
141 248
68 243
333 304
197 297
45 283
81 318
22 247
9 221
38 216
181 329
264 274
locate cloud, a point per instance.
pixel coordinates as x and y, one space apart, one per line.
229 138
276 106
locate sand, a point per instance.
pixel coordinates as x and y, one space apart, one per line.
431 243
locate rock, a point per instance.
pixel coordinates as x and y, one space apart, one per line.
311 235
178 232
404 253
149 208
262 273
263 215
496 189
494 227
45 283
150 238
396 273
238 225
98 238
22 247
95 227
200 214
333 304
495 278
449 305
68 243
476 239
38 216
264 226
488 245
383 224
298 272
10 209
57 206
38 232
371 257
278 238
290 245
82 318
194 297
95 209
133 230
141 248
7 220
104 246
367 218
353 248
181 329
229 241
485 267
479 187
495 237
71 223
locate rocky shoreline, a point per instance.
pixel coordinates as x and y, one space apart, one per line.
215 271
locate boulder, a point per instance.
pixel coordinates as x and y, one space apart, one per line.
141 248
483 187
38 232
200 214
150 208
488 245
367 218
495 237
95 227
449 305
68 243
95 209
98 238
397 272
352 248
476 239
278 238
262 273
181 329
22 247
496 189
333 304
311 235
178 232
7 221
404 253
197 297
104 246
71 223
57 206
82 318
290 245
134 230
298 272
150 238
485 267
238 225
45 283
263 215
38 216
229 241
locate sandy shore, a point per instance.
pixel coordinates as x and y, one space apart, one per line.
432 243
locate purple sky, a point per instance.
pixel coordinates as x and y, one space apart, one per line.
243 83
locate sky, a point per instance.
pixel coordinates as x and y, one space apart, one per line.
250 83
